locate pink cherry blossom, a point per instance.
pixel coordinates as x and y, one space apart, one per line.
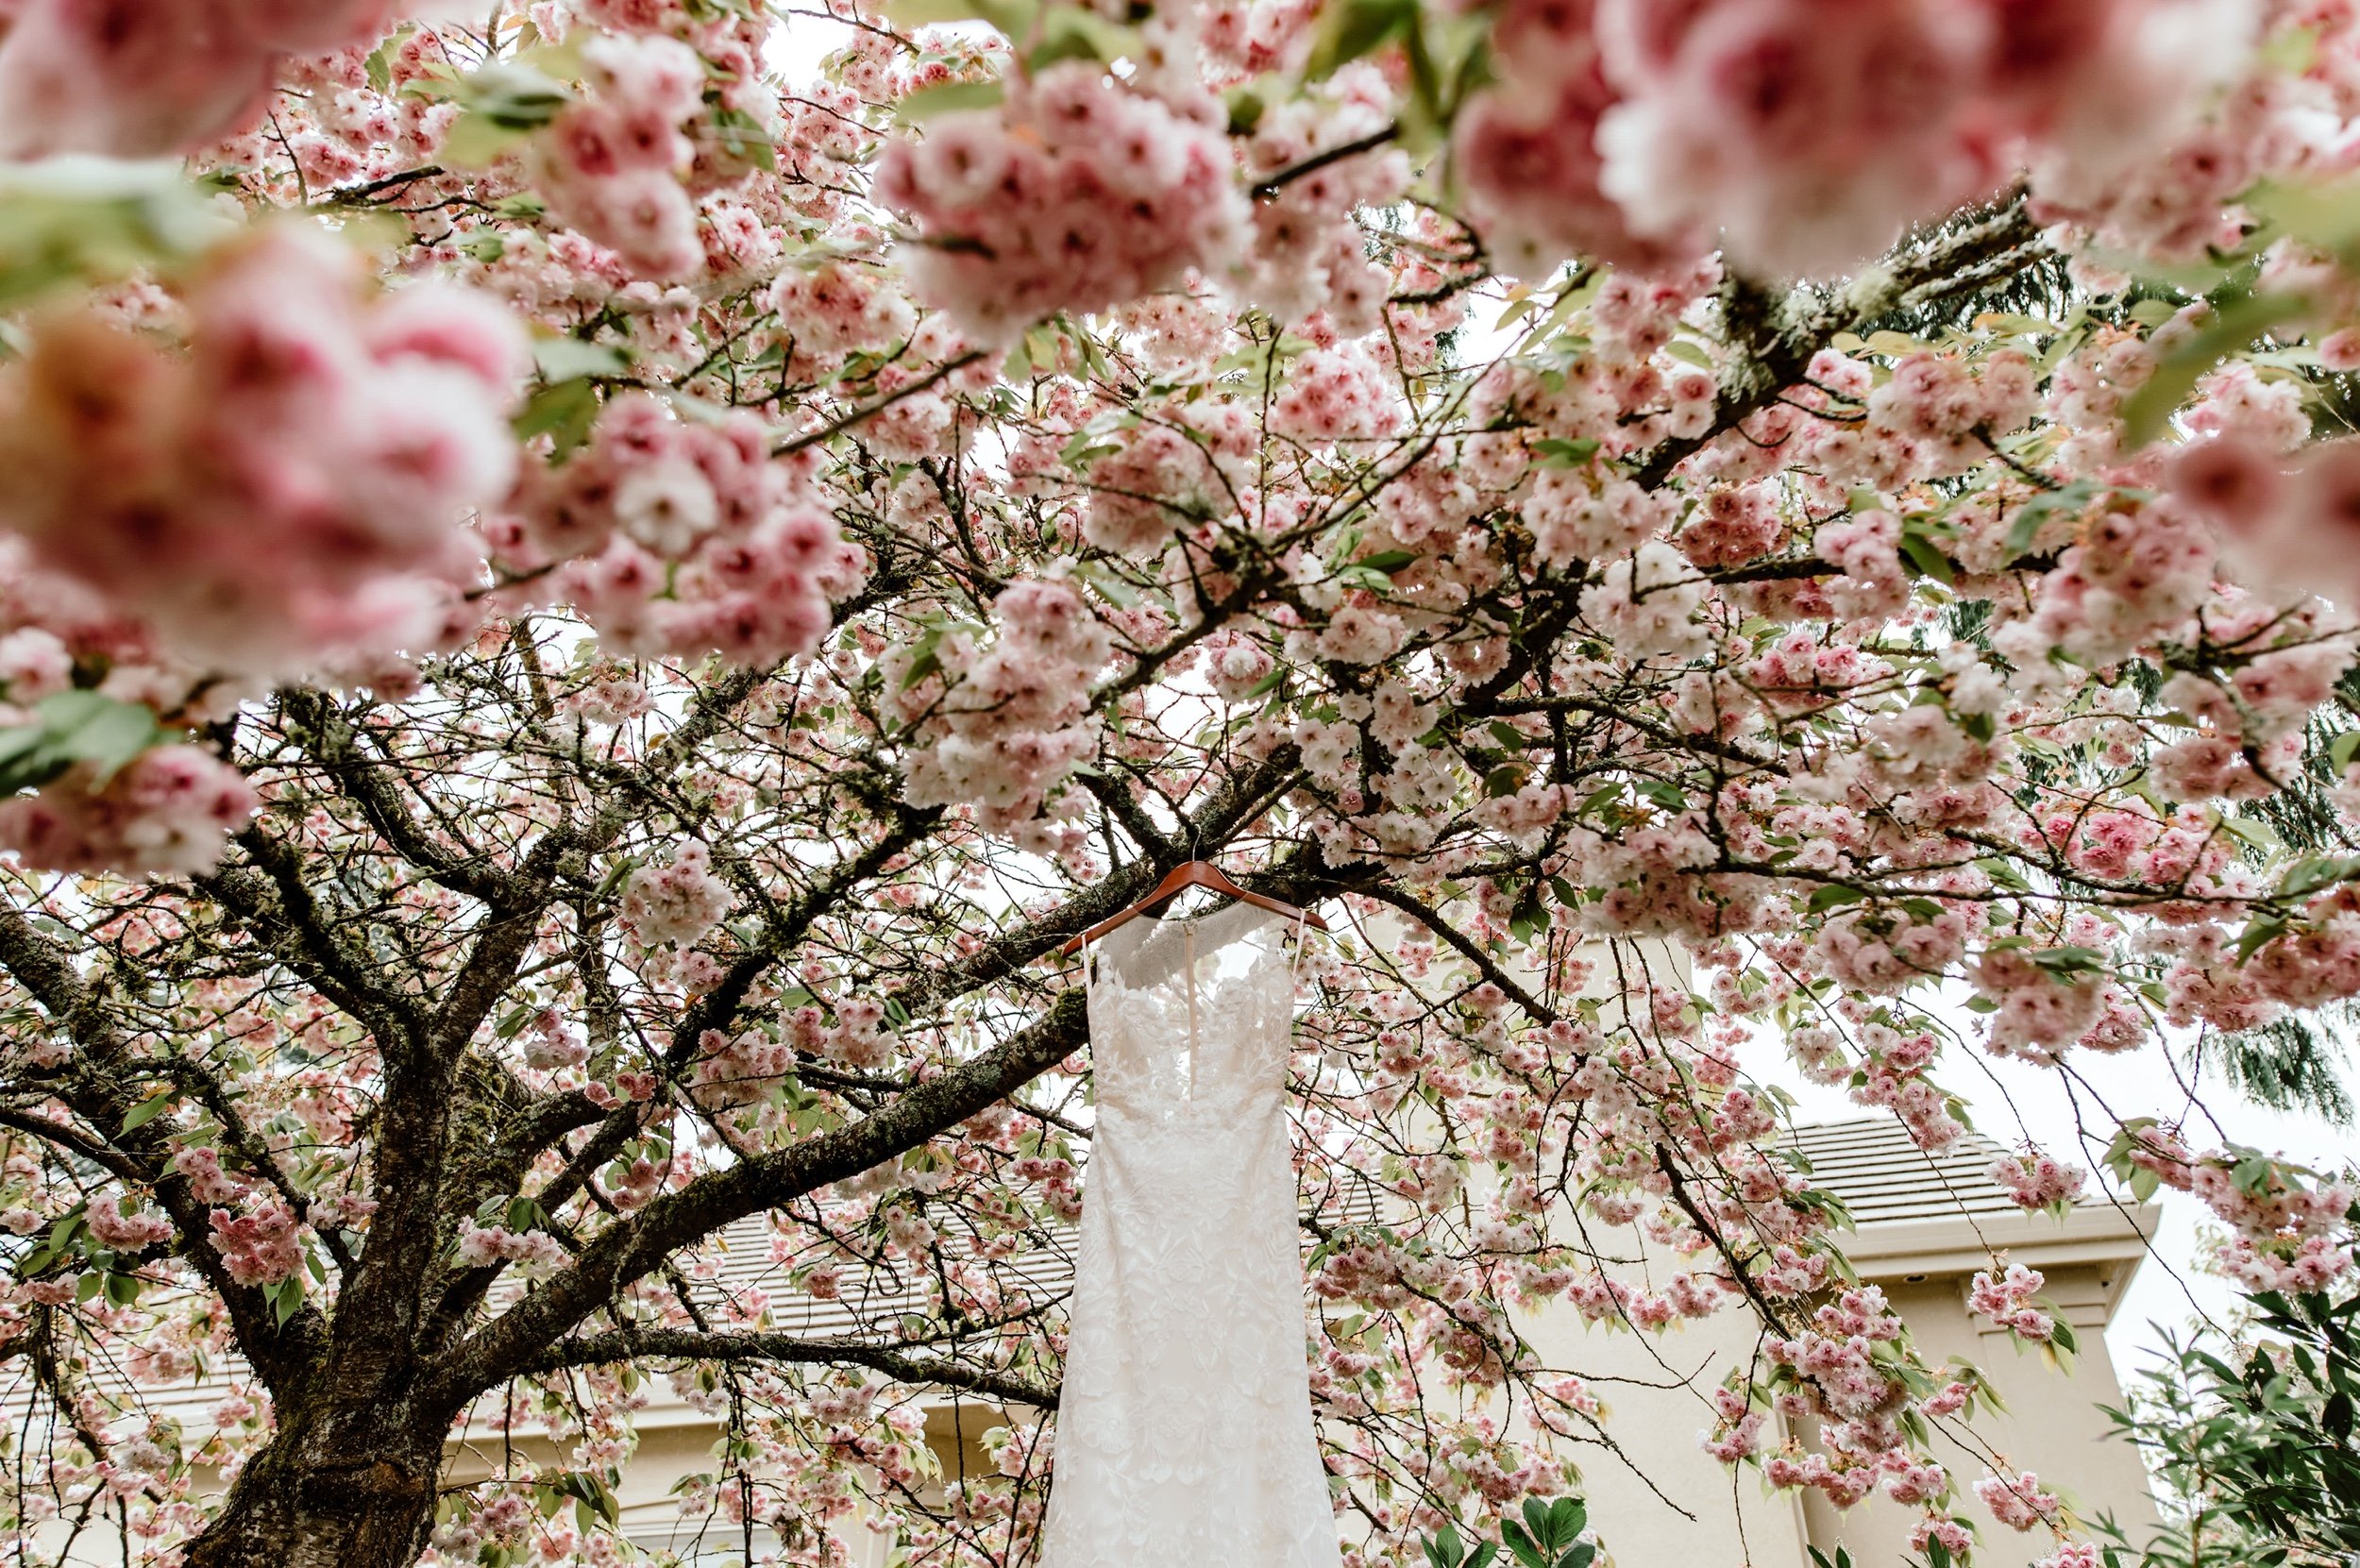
678 903
1077 193
297 479
169 811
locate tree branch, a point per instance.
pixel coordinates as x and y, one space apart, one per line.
629 1344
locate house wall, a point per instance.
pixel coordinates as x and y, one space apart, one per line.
1657 1499
2054 1424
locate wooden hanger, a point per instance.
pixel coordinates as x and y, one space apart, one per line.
1194 873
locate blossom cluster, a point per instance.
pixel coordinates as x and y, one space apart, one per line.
2006 1300
609 161
1077 193
1003 727
678 903
140 82
168 812
1805 141
289 487
679 539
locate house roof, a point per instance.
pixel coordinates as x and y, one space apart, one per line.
1923 1215
1884 1178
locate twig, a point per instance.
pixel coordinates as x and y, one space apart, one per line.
1317 161
344 195
846 420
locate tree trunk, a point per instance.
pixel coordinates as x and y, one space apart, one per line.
334 1489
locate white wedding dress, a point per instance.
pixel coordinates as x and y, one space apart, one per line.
1184 1431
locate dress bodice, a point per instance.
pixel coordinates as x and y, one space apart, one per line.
1182 1023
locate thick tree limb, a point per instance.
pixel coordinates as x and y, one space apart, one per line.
1776 340
664 1345
511 1342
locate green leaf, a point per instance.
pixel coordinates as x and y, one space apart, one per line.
103 732
2233 327
1925 560
77 727
1074 32
565 412
75 220
500 104
148 1110
2010 325
513 96
1351 29
2068 962
1557 452
379 65
475 141
1116 592
2324 213
2254 831
948 98
564 358
1358 575
2035 514
1247 103
1664 793
1014 18
2253 1175
2313 872
925 660
2260 932
743 138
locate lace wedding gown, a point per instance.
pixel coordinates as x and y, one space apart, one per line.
1184 1432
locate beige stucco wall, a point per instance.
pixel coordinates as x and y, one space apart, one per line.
1661 1502
1657 1499
2054 1421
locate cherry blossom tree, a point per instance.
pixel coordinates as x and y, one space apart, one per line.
579 621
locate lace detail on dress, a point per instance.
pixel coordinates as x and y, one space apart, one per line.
1184 1432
